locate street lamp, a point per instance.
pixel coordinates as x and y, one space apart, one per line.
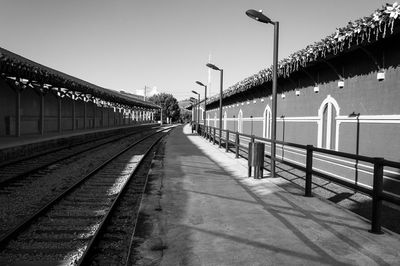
193 102
357 116
220 97
205 101
259 16
198 111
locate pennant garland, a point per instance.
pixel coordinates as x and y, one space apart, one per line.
364 30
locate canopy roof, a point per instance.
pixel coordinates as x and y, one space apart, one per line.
379 25
15 65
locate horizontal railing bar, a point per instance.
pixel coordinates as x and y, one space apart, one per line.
343 182
345 154
384 195
390 198
391 164
295 165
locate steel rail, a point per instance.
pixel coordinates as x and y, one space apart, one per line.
132 238
85 258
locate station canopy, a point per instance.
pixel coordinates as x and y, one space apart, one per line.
382 24
20 69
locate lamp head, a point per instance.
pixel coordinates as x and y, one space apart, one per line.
195 92
354 114
258 15
213 67
201 84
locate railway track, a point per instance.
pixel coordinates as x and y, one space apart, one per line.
65 229
21 197
31 164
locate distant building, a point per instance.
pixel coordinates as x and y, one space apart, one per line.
147 92
140 97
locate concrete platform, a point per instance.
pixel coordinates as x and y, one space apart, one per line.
202 209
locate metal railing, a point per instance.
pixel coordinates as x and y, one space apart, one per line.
234 141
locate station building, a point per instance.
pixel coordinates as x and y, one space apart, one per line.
35 99
342 93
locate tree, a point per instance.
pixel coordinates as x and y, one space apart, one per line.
169 106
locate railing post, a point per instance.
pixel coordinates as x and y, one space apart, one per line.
220 138
214 136
376 220
227 141
237 144
250 156
209 133
309 161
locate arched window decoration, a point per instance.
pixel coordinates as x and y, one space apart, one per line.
328 136
240 121
267 122
225 120
202 117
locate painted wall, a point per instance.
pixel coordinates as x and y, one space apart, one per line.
7 109
87 114
330 116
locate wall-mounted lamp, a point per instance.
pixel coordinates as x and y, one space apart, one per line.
297 93
381 75
354 114
316 89
283 96
340 84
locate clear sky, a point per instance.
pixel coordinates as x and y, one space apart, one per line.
129 44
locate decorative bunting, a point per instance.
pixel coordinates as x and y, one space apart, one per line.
364 30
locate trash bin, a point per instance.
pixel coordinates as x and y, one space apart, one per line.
256 158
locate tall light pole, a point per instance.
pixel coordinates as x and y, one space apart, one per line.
198 111
193 102
220 95
205 101
259 16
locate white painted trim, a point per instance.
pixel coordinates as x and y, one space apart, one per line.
337 135
240 121
329 126
299 119
330 101
379 119
225 118
267 125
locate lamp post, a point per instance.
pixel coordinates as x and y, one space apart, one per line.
205 101
357 116
220 95
193 101
198 111
259 16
